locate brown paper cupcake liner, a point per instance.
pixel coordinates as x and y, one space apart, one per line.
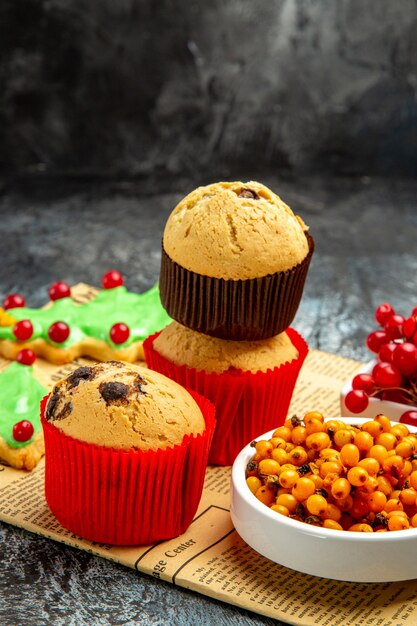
250 309
247 404
125 497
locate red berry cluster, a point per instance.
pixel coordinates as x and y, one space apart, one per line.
394 377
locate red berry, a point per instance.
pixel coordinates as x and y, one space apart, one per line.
383 312
112 279
386 375
26 357
23 431
23 330
119 333
13 301
364 382
375 340
58 332
409 417
405 358
356 400
394 326
385 353
409 327
59 290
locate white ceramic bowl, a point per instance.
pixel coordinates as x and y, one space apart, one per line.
338 554
394 410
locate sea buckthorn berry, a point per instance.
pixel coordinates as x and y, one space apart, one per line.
287 500
349 455
316 504
314 426
23 431
333 512
264 448
345 504
254 483
279 508
357 476
265 495
288 478
414 521
330 454
413 479
384 485
371 465
398 522
341 489
279 455
329 479
408 496
363 441
13 301
370 485
377 501
404 449
343 437
26 357
330 467
59 290
298 435
393 464
373 428
332 524
361 528
384 421
284 432
387 440
58 332
398 432
317 480
277 442
378 452
303 488
23 330
269 467
393 504
112 279
313 415
318 441
297 456
359 508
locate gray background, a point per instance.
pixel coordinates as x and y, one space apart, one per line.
97 88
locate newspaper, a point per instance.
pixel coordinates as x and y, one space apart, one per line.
210 557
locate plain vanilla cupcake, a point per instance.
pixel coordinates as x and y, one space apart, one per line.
123 443
249 382
234 261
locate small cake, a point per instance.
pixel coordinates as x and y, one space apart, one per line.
234 261
249 382
112 325
128 447
21 437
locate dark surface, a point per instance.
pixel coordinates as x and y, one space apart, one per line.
137 86
366 245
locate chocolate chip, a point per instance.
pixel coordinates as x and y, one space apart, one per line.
248 193
114 393
138 384
82 373
65 411
51 406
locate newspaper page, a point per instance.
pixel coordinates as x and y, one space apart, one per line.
210 557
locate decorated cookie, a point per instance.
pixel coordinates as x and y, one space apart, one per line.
111 326
21 437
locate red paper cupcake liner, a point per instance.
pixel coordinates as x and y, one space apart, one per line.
247 404
125 497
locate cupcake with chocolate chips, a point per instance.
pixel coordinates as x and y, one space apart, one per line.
234 261
126 451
